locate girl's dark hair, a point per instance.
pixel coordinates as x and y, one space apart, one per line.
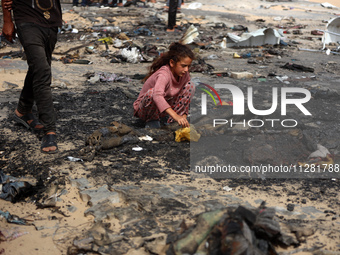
177 51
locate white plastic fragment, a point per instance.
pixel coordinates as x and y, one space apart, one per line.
132 55
283 79
190 35
137 148
227 188
321 152
145 138
256 38
118 43
74 159
94 79
328 5
195 5
332 32
223 44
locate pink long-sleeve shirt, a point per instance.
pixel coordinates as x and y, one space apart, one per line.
165 87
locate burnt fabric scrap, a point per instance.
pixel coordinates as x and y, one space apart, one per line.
12 188
231 231
112 136
296 67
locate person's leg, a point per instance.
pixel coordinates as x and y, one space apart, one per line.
39 43
181 103
75 2
172 15
26 99
147 110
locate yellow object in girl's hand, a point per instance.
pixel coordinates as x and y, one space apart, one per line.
187 134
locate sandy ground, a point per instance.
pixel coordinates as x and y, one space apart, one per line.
57 234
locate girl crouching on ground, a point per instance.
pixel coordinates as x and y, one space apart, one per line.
167 90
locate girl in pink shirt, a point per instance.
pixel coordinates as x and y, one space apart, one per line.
167 90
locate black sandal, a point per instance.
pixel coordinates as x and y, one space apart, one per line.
24 121
49 141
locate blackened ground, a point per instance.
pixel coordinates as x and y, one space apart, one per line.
80 113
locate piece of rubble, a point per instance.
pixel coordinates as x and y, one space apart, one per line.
234 231
332 32
13 188
95 196
256 38
296 67
112 136
190 35
241 75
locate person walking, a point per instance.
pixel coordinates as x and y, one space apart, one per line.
36 23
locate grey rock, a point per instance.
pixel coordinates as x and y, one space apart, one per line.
101 211
81 183
211 205
211 192
127 215
181 188
72 208
97 195
193 194
290 207
310 210
164 192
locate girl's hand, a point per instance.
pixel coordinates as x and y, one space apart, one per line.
182 121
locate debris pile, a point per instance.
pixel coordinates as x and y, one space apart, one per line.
233 231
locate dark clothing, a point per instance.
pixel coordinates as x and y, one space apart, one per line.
172 14
83 3
38 43
37 24
46 13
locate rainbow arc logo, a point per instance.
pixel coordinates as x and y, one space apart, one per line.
209 93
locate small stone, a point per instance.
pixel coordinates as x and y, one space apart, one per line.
304 201
290 207
72 208
329 211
